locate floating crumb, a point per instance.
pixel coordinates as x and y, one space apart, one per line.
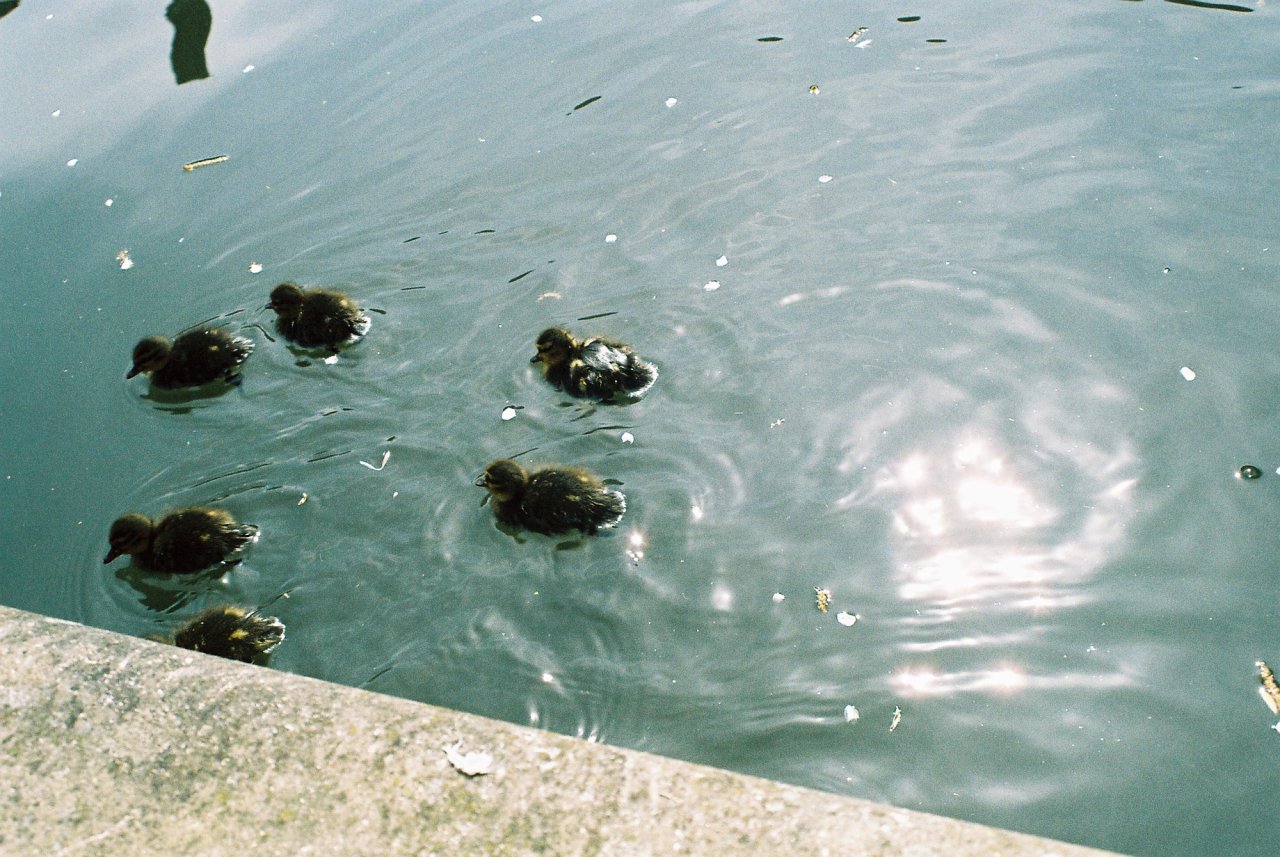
73 162
1270 691
824 179
847 619
711 286
331 359
204 162
610 238
473 764
813 89
1188 373
856 34
627 437
671 102
896 719
722 261
823 599
508 413
303 498
550 295
851 713
123 258
778 598
109 203
255 267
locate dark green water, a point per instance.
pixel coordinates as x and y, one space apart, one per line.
943 384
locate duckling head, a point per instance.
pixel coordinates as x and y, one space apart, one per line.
504 478
149 355
286 300
555 346
130 534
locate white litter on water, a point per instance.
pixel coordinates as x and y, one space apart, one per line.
109 203
331 359
851 713
711 286
508 413
824 179
671 102
778 598
73 162
627 437
246 69
537 19
846 619
897 718
125 261
610 238
386 456
255 267
1188 373
722 261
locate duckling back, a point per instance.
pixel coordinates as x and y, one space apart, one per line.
326 319
230 632
560 499
193 539
605 369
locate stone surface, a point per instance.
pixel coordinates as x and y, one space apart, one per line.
113 745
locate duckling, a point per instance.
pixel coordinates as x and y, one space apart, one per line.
595 368
194 358
230 632
552 500
318 318
181 541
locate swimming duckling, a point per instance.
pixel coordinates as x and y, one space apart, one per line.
596 368
181 541
318 318
194 358
230 632
551 500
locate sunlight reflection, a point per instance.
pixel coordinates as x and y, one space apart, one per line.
1004 679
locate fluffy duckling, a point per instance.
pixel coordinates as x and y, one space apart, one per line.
552 500
181 541
317 318
595 368
194 358
230 632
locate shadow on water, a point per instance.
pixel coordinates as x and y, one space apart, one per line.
191 21
8 6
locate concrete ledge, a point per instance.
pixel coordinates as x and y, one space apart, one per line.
113 745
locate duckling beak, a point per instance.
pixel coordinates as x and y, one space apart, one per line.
537 358
132 372
112 554
481 482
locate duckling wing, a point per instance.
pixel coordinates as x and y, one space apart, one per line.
557 501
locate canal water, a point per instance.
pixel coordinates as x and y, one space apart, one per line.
964 315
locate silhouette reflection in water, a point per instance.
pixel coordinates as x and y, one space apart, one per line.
191 21
8 6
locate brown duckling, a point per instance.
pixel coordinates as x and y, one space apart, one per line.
317 318
230 632
595 368
194 358
181 541
551 500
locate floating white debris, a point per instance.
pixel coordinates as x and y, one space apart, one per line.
537 19
897 718
610 238
473 764
108 203
627 437
331 359
246 69
722 261
386 456
851 713
854 36
1188 373
73 162
508 413
123 258
548 678
778 598
696 512
55 114
255 267
671 102
711 286
846 619
303 498
550 296
813 89
824 179
777 423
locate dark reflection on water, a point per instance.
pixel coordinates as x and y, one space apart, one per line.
192 20
8 6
